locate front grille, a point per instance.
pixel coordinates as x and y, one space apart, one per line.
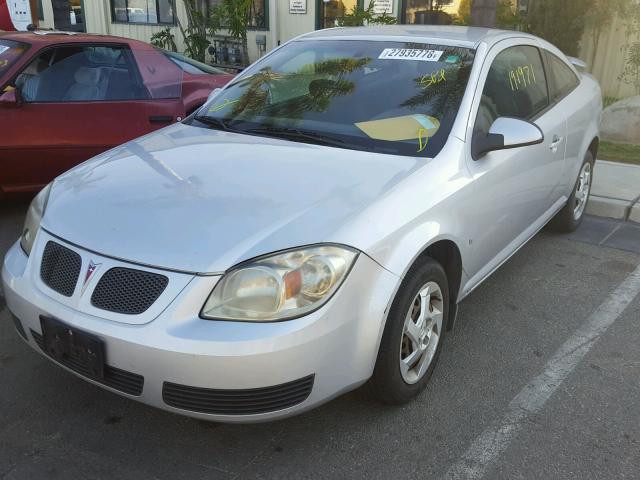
115 378
60 268
128 291
237 402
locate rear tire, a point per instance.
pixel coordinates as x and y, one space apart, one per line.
570 217
413 335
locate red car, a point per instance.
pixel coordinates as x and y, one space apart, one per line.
67 97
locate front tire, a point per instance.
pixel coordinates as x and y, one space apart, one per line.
413 335
570 217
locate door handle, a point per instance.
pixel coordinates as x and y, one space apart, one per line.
555 141
160 118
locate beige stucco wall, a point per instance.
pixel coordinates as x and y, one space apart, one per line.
282 25
97 17
98 20
608 62
47 11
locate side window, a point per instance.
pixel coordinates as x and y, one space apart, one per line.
563 80
81 74
515 87
187 67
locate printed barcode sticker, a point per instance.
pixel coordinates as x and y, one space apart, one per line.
411 54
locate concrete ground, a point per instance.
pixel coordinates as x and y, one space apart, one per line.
540 379
616 191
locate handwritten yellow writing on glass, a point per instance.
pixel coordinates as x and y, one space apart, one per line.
224 104
521 77
423 139
433 78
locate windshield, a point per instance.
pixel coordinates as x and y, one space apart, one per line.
386 97
10 51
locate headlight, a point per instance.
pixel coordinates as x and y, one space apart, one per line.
281 286
32 222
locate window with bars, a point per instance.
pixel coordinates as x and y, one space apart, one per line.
144 11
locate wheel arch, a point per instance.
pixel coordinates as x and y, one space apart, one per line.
593 147
447 252
590 142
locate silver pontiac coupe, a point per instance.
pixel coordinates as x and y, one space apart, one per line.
313 227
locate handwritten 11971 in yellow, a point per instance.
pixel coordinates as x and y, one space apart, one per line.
521 77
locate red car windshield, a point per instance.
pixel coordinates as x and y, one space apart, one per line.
10 51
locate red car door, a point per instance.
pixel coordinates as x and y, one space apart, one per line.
78 101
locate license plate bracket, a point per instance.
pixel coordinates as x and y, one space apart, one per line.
73 348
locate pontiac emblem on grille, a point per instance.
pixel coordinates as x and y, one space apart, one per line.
89 275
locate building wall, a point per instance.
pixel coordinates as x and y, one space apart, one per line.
282 26
285 25
606 62
47 10
98 20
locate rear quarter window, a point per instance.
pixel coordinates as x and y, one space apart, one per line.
562 79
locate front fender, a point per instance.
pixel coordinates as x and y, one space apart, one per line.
426 207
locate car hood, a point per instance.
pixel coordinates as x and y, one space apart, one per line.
202 200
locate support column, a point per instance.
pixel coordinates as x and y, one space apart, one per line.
34 12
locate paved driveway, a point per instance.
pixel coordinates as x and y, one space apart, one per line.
540 379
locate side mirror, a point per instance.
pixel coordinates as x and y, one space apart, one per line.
506 132
10 98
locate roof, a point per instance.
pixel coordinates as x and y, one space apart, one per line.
46 37
469 37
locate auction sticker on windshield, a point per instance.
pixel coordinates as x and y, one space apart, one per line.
411 54
397 129
3 49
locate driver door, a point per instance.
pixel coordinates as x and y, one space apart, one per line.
78 101
514 188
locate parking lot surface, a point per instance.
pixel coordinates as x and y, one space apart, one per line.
539 379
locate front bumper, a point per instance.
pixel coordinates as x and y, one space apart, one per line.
332 349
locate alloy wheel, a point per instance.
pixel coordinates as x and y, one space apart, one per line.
421 333
582 191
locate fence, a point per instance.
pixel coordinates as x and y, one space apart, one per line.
608 60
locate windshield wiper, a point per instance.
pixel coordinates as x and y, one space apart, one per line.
285 133
219 123
296 134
